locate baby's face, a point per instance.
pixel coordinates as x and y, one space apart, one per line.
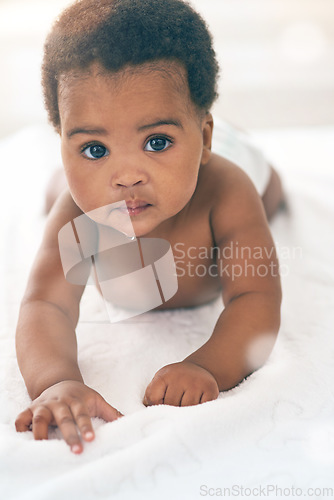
133 136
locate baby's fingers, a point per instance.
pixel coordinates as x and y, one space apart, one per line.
38 419
209 395
67 426
155 392
81 416
105 410
41 419
23 421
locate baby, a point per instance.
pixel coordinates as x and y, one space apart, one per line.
128 86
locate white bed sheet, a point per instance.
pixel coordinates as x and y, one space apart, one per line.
275 429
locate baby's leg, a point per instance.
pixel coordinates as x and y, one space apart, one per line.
56 185
273 198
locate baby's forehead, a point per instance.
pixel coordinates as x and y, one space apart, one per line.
159 89
78 80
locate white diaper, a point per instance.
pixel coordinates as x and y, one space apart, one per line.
235 146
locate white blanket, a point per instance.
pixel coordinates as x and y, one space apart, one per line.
275 431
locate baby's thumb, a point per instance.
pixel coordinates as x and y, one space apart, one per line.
106 411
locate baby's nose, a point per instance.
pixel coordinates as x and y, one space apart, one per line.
128 177
128 183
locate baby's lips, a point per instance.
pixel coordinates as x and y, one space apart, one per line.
132 204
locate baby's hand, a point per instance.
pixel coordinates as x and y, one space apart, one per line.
69 405
181 384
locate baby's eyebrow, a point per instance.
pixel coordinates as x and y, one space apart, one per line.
159 123
89 131
103 131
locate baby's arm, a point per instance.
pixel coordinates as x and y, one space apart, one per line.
47 348
246 330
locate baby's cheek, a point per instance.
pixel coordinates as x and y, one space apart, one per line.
181 195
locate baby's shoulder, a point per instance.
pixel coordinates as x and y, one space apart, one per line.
234 200
221 179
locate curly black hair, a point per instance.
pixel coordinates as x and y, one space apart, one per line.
119 33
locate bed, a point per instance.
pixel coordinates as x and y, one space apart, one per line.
274 431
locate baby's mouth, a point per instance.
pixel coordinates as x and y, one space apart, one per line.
134 207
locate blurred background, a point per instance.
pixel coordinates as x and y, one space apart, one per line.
276 56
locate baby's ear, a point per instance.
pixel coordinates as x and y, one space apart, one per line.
207 129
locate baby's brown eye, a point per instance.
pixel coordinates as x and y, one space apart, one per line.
157 144
95 151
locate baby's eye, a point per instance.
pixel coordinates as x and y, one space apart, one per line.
157 144
95 151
